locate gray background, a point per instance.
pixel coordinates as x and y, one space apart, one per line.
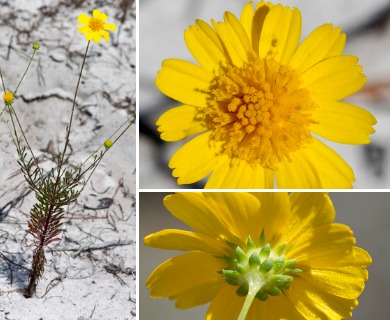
366 213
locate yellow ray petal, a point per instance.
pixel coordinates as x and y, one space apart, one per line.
203 294
237 36
238 211
231 52
109 26
182 240
356 123
84 29
333 171
220 309
334 79
205 46
193 161
96 14
238 174
344 282
89 36
281 33
256 26
283 308
363 259
274 214
193 275
184 81
324 42
293 36
246 20
324 246
83 18
96 36
308 211
194 210
103 17
180 122
313 303
299 173
105 34
261 310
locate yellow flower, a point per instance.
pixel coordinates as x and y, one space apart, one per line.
8 98
255 99
108 144
95 27
282 249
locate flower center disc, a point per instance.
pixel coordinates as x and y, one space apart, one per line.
96 24
258 112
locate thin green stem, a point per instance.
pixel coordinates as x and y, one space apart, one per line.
25 71
17 143
129 120
71 117
102 155
12 111
2 80
253 289
2 111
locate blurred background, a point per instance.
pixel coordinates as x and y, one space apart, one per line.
365 213
367 25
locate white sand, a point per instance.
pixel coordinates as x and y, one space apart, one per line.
88 274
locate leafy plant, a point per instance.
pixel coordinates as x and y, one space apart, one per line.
61 185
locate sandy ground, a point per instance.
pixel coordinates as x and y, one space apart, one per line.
91 272
367 25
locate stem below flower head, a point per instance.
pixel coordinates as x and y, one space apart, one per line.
2 80
71 115
25 71
254 288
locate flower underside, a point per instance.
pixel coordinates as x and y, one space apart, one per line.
261 267
259 112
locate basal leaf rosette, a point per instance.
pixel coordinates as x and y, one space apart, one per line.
276 255
256 102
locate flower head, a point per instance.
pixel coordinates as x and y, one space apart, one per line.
279 254
255 99
108 144
95 27
8 98
36 46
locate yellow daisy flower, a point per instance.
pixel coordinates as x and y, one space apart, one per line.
255 99
95 27
259 256
8 98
